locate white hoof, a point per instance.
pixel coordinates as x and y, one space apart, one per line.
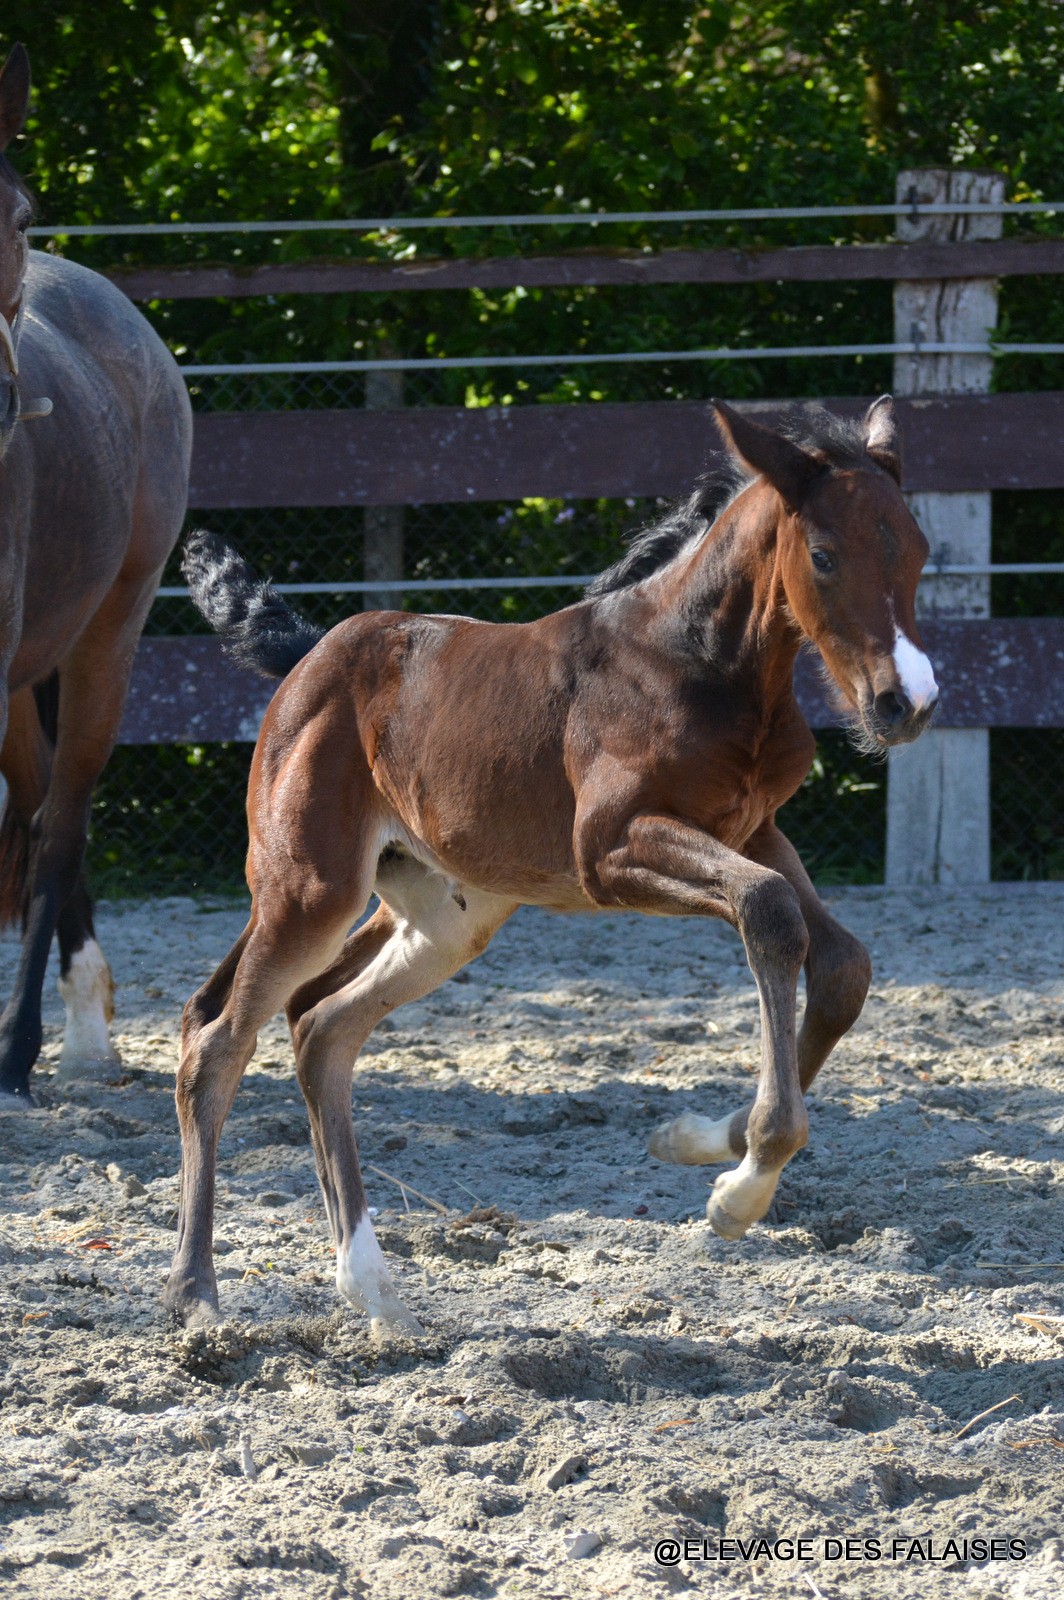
740 1198
396 1323
692 1141
87 990
363 1279
722 1222
97 1068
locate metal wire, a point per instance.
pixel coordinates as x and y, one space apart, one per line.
557 580
613 358
413 584
536 219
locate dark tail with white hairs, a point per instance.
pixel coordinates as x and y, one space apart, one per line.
257 628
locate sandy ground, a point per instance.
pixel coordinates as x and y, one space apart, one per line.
597 1362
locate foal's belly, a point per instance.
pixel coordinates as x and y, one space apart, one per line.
523 863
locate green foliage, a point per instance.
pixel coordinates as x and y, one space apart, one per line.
837 820
344 107
627 104
144 839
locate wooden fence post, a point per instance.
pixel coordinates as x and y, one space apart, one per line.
382 537
938 790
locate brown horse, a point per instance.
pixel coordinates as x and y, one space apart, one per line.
629 752
92 496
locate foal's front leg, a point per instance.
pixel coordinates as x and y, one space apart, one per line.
837 974
662 865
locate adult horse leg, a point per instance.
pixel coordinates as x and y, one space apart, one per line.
85 982
87 989
420 935
92 689
26 764
837 974
662 865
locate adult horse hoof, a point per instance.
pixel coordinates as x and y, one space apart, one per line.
692 1141
16 1100
193 1314
94 1068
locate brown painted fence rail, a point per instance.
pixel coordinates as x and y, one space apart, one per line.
976 258
440 455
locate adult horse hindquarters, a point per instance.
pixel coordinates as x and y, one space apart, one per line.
91 502
630 751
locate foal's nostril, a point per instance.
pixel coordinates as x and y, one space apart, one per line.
892 708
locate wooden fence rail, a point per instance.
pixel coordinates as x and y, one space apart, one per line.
977 258
439 455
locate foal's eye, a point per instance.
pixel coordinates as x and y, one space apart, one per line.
823 561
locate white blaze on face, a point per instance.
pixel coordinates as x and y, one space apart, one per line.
915 672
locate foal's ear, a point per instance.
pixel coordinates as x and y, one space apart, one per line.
14 94
881 436
788 467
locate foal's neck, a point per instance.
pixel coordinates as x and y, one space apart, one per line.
731 589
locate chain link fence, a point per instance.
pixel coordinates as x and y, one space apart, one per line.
170 819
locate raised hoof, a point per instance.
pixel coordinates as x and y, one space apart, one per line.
692 1141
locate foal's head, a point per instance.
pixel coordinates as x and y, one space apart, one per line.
15 213
850 555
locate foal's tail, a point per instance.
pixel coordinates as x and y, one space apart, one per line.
257 628
14 834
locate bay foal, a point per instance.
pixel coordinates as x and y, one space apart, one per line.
629 752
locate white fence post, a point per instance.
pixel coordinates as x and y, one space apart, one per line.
938 790
382 538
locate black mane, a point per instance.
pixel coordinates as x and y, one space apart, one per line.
652 547
834 440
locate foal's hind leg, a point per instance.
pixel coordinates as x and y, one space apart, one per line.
837 975
407 949
218 1033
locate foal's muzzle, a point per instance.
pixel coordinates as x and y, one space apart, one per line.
891 718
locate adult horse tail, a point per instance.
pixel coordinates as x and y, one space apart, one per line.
14 832
258 629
